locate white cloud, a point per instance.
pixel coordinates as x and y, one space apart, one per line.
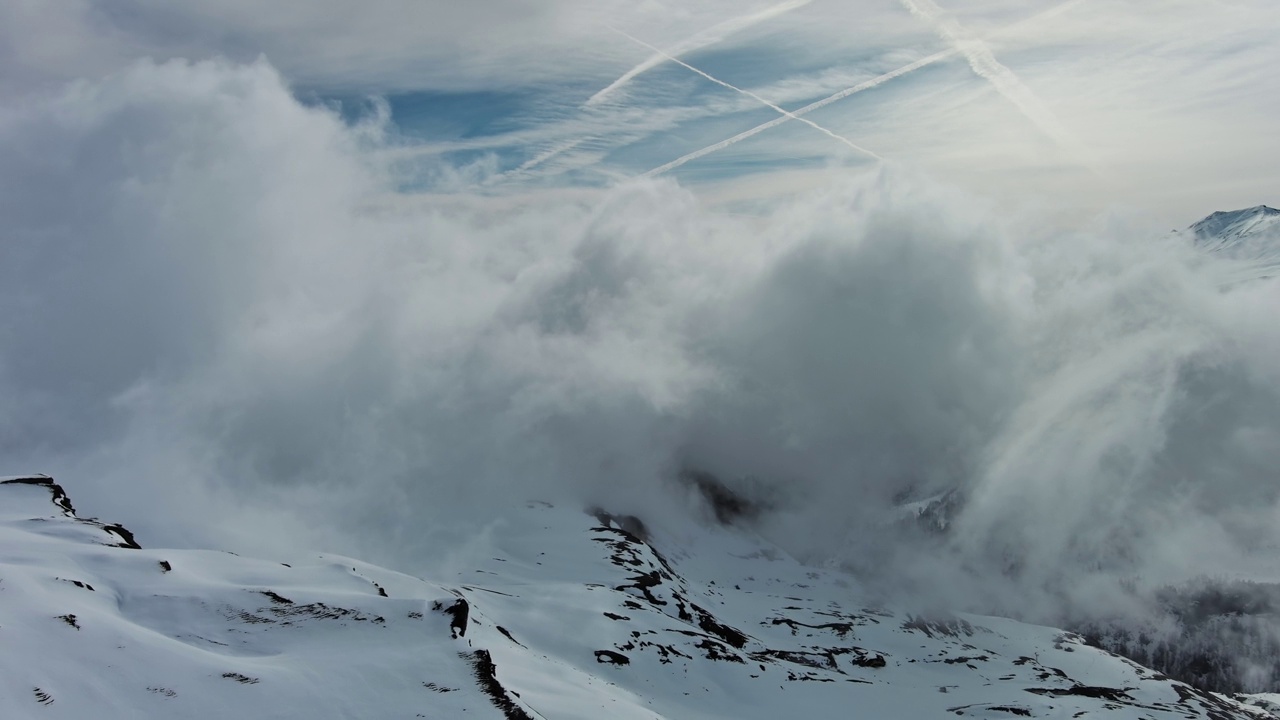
221 303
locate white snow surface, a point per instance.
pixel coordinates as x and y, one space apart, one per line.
1251 235
1234 224
581 619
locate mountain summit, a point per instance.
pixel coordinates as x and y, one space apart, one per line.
1235 224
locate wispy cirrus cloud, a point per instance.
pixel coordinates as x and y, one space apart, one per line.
772 106
701 40
985 64
1111 89
836 97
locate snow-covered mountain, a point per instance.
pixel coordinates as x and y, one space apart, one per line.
1235 224
572 615
1251 235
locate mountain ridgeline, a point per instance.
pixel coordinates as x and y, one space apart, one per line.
563 614
1238 224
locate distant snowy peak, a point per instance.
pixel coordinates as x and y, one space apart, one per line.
1249 237
1235 224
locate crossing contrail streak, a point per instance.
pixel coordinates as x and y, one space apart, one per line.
710 36
796 115
785 113
547 155
986 66
535 161
867 85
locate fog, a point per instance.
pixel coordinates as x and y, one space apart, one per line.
227 326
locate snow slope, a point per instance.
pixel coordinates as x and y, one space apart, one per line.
1235 224
1251 235
572 616
91 628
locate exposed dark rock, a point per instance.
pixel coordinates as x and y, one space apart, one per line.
935 627
79 584
126 537
645 582
1215 707
123 537
276 598
458 613
714 650
629 524
486 674
507 634
727 505
438 688
1011 709
966 660
872 661
715 627
819 661
1091 691
612 658
841 629
162 691
59 495
682 610
288 612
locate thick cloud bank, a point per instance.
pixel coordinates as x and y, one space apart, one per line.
220 309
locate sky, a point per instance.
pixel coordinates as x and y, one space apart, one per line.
342 276
1098 104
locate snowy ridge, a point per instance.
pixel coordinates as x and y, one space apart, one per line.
1235 224
572 616
1251 235
90 627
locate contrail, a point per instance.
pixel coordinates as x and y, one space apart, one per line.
867 85
785 113
710 36
537 160
543 157
796 115
985 65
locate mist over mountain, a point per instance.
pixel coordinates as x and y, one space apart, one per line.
245 310
222 303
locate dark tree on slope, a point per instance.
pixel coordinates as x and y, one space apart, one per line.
1225 637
